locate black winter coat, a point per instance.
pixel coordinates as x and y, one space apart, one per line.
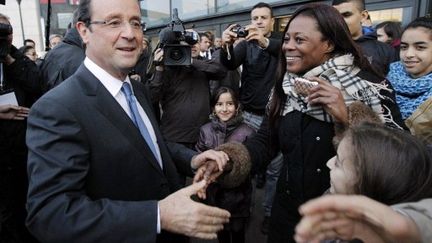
379 54
259 67
63 60
20 76
306 146
184 95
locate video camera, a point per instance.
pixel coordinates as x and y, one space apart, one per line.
5 31
176 53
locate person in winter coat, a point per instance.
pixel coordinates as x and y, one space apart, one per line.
227 125
412 78
379 54
304 115
63 60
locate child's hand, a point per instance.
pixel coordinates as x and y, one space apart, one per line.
209 172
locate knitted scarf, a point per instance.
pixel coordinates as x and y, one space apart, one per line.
341 73
410 92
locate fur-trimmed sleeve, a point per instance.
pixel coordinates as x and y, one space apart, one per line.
238 167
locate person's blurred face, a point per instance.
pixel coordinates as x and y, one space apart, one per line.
262 19
342 171
204 43
225 107
303 46
10 36
31 54
353 17
55 41
382 36
115 47
218 42
195 50
416 51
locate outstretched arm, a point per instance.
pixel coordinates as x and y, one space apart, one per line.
353 217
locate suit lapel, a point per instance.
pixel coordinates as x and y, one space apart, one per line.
113 112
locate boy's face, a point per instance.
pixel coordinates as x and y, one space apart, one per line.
353 16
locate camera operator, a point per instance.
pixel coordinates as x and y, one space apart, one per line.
183 92
19 79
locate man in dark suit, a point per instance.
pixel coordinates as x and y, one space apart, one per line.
94 175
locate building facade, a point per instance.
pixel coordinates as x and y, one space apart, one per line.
216 15
202 15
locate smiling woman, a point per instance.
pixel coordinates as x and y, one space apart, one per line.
317 46
412 77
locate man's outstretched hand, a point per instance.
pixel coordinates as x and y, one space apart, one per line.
180 214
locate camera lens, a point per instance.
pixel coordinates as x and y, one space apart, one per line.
176 54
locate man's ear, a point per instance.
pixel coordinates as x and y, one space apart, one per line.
272 23
83 30
364 16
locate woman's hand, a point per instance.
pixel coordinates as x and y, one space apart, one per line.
330 98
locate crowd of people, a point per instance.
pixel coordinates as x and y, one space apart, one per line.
99 136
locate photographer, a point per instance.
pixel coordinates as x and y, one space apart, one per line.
258 54
18 79
182 89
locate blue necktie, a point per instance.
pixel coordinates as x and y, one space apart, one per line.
136 118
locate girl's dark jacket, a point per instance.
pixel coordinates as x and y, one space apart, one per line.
236 200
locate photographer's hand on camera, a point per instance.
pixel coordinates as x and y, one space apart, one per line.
256 34
228 37
158 59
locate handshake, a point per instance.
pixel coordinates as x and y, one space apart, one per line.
230 174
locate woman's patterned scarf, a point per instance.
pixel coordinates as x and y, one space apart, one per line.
410 92
341 73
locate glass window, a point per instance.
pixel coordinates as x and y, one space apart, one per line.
394 14
155 12
188 9
232 5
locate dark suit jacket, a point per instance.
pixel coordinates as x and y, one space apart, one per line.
92 176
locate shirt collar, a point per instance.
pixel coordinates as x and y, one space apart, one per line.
113 85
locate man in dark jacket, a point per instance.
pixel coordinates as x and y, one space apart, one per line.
258 56
184 95
63 60
379 54
19 79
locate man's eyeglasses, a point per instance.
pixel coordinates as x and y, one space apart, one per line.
116 24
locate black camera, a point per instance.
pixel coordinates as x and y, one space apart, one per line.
5 31
175 52
240 31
